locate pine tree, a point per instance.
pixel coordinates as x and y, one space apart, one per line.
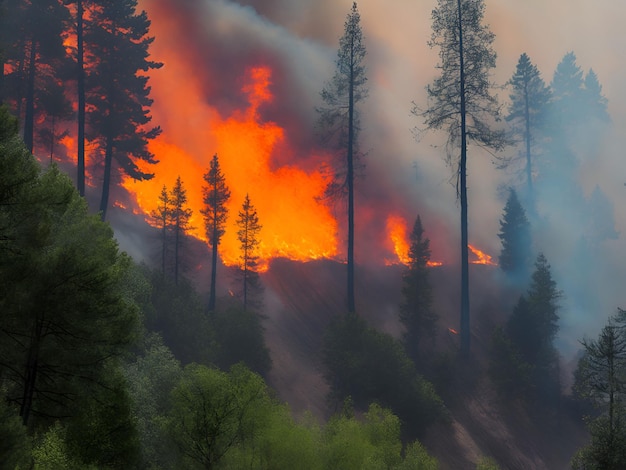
461 103
248 235
600 379
118 96
516 240
339 120
530 98
532 329
162 219
215 196
416 311
180 215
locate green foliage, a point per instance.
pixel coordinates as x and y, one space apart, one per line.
508 371
370 366
416 312
15 448
239 335
215 411
51 451
486 463
515 257
248 235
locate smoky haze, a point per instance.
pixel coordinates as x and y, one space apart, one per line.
207 46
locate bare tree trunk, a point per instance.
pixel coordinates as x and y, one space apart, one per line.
465 301
29 116
213 262
80 165
106 183
350 177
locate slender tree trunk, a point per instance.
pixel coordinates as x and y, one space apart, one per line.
529 172
213 258
350 177
164 245
176 245
29 116
30 376
245 272
106 183
80 165
465 301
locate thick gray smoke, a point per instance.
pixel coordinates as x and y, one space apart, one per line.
299 38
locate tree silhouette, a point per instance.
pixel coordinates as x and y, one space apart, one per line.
180 215
339 121
161 217
215 196
515 257
462 104
248 233
530 98
118 96
416 311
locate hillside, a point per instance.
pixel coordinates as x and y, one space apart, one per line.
302 298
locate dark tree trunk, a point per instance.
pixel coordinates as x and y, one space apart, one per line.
176 246
106 182
213 261
80 166
350 177
29 115
30 374
465 301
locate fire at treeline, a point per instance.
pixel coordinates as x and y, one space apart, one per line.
212 138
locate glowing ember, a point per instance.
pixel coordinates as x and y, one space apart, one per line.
482 257
453 331
295 224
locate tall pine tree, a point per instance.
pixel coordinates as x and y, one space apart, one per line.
180 215
339 121
215 196
416 314
461 103
248 235
515 257
118 93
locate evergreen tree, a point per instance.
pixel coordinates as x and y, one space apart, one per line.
118 100
532 329
600 379
248 235
516 240
215 196
595 102
530 98
600 216
416 311
461 102
161 217
180 215
339 120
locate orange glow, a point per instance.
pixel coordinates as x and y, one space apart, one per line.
482 257
453 331
397 230
294 223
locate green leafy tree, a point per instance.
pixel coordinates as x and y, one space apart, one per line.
214 412
248 235
515 257
180 215
117 92
339 121
600 379
215 196
416 313
58 263
461 103
530 98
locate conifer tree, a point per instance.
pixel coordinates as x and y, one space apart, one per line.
532 329
530 98
215 196
416 311
462 104
162 219
180 215
248 235
339 121
516 240
118 95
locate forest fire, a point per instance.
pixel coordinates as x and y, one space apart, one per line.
481 257
294 223
397 231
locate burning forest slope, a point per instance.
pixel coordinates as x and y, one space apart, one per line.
301 300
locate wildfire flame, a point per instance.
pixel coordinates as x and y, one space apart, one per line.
294 223
397 231
482 257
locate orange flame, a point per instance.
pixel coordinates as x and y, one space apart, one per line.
397 231
453 331
294 223
482 257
